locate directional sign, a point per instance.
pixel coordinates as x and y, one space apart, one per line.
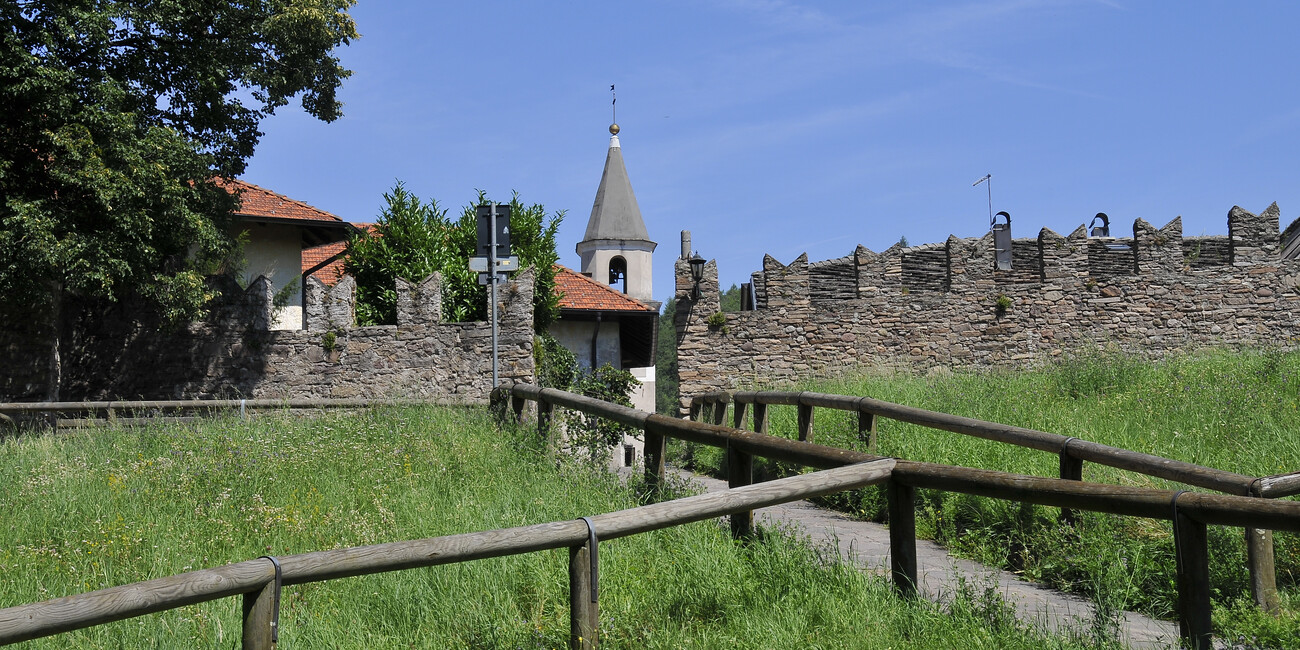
488 278
485 230
506 265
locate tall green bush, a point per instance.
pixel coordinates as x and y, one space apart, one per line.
413 239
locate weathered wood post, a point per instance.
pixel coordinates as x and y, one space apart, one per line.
719 411
740 472
517 405
695 409
1071 470
760 417
655 446
261 615
738 414
902 536
584 611
544 411
867 430
805 422
1263 570
1191 549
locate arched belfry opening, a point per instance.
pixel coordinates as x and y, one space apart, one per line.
618 273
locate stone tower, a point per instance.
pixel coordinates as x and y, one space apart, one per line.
616 249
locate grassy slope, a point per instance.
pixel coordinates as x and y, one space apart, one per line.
90 510
1233 411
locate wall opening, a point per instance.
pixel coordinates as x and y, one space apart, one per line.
618 273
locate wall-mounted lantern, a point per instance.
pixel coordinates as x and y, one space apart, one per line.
1104 229
697 274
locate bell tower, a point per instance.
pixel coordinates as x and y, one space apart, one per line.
616 249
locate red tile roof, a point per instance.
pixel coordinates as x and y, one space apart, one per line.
332 272
261 202
581 292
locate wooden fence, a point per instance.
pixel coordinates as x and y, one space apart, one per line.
259 581
140 411
1072 453
1190 512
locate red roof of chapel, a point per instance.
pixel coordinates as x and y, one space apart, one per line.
260 202
582 292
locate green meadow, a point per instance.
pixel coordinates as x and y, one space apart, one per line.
90 509
1237 411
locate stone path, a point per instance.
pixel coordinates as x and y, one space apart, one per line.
867 545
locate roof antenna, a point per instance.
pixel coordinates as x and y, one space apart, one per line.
988 178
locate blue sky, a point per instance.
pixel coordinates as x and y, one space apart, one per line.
767 126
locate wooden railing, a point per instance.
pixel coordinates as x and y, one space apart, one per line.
1190 512
111 411
1072 452
258 581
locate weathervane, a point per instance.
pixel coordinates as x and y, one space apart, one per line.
613 105
988 178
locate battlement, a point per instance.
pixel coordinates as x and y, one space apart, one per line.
948 303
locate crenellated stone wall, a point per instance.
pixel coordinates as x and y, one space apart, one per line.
938 304
120 351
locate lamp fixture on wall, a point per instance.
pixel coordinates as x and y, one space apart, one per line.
697 274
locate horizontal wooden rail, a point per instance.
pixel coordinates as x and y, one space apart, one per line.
200 404
1189 512
1148 464
36 620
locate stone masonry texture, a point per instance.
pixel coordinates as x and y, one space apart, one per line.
120 351
936 305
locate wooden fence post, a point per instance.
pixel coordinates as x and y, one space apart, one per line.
1071 470
260 617
740 472
517 405
738 415
760 417
695 410
1191 548
902 536
583 609
544 411
654 459
1263 571
805 423
719 412
867 430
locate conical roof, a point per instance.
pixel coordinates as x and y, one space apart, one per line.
615 214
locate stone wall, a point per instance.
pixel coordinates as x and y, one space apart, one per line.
937 304
120 352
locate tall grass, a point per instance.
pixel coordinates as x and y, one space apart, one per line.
93 509
1237 411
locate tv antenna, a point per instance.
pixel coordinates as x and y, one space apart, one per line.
987 180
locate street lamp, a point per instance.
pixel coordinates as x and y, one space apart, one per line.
697 274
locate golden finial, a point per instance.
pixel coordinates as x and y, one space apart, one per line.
613 129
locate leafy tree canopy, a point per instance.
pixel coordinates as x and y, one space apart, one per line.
413 239
117 116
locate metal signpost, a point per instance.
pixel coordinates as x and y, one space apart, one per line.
493 262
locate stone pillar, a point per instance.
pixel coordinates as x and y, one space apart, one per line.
787 284
1253 238
420 304
260 298
1158 251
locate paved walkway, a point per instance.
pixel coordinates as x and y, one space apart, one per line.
867 545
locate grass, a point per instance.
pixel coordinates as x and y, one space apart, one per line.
1236 411
93 509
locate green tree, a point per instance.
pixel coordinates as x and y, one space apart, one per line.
118 115
413 239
